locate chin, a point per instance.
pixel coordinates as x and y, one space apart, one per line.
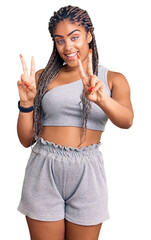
72 64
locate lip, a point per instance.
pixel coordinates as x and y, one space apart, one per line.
74 55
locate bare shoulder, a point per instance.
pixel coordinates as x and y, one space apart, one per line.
117 80
37 74
120 88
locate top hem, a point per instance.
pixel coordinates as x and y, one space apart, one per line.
57 125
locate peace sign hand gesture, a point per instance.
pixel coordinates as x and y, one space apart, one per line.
94 88
27 84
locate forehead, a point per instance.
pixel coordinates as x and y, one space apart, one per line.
65 27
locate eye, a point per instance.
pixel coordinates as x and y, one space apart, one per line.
75 38
60 41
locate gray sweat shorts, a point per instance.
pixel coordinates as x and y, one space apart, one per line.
65 182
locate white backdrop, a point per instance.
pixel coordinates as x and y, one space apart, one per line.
122 30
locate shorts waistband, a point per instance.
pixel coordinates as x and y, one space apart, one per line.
45 145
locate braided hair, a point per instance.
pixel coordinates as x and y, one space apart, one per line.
74 15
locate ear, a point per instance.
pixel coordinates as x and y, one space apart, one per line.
89 37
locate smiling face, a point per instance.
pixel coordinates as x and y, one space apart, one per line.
70 39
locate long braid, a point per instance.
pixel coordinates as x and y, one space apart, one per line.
73 14
53 66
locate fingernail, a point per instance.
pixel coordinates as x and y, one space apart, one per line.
27 84
90 50
78 56
20 56
91 88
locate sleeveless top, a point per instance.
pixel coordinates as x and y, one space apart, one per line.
61 105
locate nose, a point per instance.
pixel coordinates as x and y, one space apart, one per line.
68 46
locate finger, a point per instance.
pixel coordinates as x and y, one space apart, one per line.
19 82
32 89
81 70
32 70
23 77
98 86
25 69
23 80
90 66
93 81
26 83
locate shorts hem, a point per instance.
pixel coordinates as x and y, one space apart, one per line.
38 217
86 223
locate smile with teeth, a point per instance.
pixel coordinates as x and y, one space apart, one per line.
72 56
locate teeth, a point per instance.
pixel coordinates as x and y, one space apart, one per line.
73 54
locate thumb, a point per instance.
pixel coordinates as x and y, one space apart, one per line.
32 89
26 83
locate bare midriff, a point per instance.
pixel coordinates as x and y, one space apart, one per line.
69 136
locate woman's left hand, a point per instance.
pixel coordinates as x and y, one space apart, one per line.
98 93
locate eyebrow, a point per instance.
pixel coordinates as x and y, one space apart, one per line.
68 34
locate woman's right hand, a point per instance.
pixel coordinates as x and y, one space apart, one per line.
27 84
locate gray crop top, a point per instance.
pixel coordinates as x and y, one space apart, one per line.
60 105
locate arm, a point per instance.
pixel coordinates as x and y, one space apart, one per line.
25 120
25 125
118 108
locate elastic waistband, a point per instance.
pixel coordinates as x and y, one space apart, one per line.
44 145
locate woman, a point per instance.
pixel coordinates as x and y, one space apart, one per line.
65 190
